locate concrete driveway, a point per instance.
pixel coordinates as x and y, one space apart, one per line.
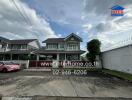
25 83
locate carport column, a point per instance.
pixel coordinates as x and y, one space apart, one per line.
11 56
3 57
58 57
65 56
37 57
79 56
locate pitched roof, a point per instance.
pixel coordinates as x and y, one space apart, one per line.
53 40
2 38
57 40
117 7
22 41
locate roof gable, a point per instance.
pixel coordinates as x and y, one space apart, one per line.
73 35
58 40
117 7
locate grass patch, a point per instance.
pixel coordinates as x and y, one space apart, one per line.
119 74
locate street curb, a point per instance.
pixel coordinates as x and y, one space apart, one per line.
38 70
0 97
37 97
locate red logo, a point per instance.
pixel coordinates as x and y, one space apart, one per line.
117 10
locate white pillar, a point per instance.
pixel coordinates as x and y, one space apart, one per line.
11 56
6 47
65 56
58 56
27 64
79 56
3 57
37 57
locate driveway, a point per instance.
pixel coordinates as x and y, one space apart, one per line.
25 83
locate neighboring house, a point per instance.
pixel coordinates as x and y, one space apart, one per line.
67 48
17 49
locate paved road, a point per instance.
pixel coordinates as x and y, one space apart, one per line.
63 98
43 73
24 73
25 83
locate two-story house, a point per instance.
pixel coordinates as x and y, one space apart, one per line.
17 49
67 48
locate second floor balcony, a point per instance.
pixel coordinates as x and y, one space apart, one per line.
8 47
66 47
17 47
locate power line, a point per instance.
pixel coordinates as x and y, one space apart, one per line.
25 13
19 11
28 21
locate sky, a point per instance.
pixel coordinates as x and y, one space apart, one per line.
42 19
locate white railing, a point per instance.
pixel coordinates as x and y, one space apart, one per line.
125 42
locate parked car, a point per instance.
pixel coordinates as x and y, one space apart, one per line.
7 66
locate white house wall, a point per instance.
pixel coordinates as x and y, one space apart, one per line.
118 59
34 44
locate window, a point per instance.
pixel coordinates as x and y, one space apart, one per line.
52 46
72 38
72 57
15 46
72 47
9 46
61 46
23 46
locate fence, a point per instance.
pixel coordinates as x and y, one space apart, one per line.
119 59
34 63
62 64
122 43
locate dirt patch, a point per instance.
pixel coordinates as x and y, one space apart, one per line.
49 85
8 81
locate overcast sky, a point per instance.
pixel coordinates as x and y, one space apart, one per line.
58 18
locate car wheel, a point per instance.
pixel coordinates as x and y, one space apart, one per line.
4 70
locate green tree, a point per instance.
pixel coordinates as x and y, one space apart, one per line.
94 49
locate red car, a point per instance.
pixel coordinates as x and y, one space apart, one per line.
7 66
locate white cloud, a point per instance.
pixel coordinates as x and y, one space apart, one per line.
59 35
60 11
87 26
13 25
110 30
90 19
